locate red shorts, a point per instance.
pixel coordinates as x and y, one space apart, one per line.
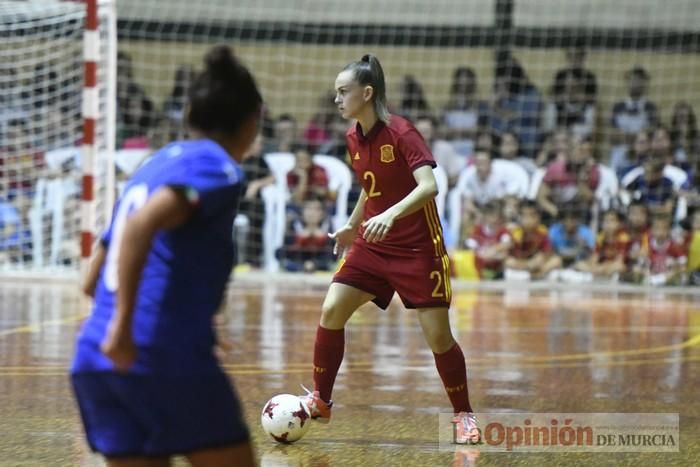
421 279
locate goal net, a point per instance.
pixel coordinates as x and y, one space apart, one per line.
522 78
41 127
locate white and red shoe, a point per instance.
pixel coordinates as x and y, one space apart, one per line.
318 408
465 429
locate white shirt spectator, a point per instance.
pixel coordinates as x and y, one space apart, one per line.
505 178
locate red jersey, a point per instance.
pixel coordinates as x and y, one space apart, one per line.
482 236
528 244
384 161
608 249
664 254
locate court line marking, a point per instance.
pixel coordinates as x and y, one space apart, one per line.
545 360
235 372
36 327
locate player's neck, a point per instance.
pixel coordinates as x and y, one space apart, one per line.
367 120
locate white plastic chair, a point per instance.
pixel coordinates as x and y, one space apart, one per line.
340 182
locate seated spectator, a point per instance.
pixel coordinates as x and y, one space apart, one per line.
685 137
484 183
661 149
530 254
611 248
318 131
335 145
174 104
10 231
135 110
572 181
517 105
445 155
637 153
571 239
307 246
653 188
575 63
638 230
509 149
667 258
464 114
306 180
412 102
555 147
693 247
631 116
257 176
285 135
570 107
490 240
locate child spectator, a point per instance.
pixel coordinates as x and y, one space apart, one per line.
638 230
490 241
612 245
530 254
306 180
571 239
307 246
667 258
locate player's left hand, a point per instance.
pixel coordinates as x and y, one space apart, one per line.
377 227
118 345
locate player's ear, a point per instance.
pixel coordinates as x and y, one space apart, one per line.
367 93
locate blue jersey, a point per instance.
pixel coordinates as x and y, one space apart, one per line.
186 270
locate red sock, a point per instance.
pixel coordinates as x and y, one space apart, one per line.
453 372
328 355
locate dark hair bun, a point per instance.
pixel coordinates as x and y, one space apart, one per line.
220 62
366 58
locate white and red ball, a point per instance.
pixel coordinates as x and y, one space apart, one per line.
286 418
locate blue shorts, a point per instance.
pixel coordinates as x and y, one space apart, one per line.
134 415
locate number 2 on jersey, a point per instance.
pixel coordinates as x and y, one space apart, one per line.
436 292
372 184
132 200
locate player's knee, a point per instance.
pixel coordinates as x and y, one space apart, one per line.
440 341
333 314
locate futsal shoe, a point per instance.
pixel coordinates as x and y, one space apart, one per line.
465 430
318 408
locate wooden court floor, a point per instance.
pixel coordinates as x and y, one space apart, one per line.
545 350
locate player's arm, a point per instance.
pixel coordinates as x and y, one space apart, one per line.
378 226
346 235
167 208
93 272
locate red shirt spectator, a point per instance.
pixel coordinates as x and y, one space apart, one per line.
527 244
610 248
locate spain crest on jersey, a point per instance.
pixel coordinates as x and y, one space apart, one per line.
387 153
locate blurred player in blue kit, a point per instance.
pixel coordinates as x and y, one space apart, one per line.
145 376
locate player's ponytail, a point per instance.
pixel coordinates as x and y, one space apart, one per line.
368 72
224 95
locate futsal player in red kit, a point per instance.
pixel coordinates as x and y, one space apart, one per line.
392 242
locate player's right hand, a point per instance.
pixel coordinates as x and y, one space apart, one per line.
118 345
343 239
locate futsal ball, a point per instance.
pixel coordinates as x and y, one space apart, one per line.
286 418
